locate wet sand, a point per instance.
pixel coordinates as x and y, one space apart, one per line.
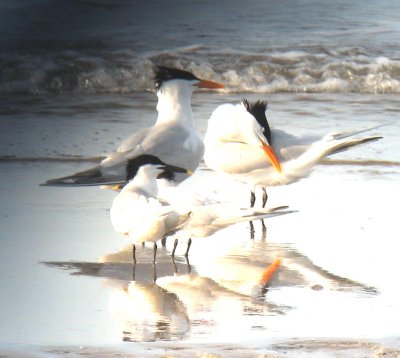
61 259
67 287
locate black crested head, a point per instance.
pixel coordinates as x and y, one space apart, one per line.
164 74
134 164
168 170
257 110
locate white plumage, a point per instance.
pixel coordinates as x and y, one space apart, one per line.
173 137
138 212
234 145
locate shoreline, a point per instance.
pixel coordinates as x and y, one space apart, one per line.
280 348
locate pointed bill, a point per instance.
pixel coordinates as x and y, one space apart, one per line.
209 84
271 155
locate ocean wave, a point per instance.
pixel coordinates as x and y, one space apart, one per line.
309 70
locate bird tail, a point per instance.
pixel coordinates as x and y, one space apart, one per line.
343 145
341 141
343 135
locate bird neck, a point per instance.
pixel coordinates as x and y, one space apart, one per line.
174 104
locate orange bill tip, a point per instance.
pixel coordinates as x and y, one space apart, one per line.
209 84
272 157
269 271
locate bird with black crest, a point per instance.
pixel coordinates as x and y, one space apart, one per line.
239 142
138 213
172 138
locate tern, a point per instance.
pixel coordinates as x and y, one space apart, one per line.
239 142
138 212
172 138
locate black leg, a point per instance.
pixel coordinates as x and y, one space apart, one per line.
264 197
252 198
163 241
134 253
154 252
188 247
173 250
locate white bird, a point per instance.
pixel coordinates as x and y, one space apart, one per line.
239 142
206 220
173 137
137 212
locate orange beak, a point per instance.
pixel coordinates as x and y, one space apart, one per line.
209 84
272 157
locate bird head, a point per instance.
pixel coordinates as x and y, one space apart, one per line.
165 74
153 166
260 132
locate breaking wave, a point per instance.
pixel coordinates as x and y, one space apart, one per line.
312 70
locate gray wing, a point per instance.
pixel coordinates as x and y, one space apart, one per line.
171 144
175 145
133 140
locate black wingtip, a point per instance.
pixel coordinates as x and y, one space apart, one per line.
90 177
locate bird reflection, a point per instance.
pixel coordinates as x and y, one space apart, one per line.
253 230
182 299
170 308
147 312
189 267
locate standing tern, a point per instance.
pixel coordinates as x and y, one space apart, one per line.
138 212
173 137
239 142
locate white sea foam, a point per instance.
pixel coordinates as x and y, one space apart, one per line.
285 71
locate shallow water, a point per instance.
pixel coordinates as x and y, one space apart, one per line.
67 277
76 78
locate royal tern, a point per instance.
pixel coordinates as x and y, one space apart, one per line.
239 138
138 212
173 137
